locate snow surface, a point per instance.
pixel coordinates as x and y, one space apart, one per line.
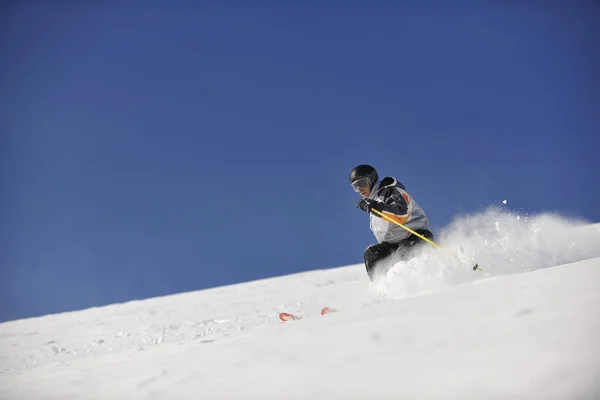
431 328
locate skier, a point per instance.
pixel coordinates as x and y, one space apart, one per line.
391 198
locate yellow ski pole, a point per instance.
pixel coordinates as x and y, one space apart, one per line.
475 267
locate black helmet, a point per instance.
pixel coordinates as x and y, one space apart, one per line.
364 171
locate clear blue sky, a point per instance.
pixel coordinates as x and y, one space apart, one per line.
153 149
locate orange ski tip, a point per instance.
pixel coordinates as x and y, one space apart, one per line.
287 317
327 310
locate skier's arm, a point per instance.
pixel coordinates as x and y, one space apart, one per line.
395 205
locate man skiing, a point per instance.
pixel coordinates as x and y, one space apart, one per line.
391 198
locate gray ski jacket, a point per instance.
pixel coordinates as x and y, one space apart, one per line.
398 205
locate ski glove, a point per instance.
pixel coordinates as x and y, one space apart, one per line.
367 205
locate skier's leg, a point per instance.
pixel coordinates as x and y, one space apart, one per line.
407 247
376 253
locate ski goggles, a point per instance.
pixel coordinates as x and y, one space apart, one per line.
360 183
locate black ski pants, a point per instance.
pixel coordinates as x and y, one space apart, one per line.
376 253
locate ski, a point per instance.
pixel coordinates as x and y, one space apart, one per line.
288 317
293 317
328 310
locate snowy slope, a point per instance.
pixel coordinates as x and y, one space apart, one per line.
431 328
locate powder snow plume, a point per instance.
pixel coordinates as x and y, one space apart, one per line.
501 242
